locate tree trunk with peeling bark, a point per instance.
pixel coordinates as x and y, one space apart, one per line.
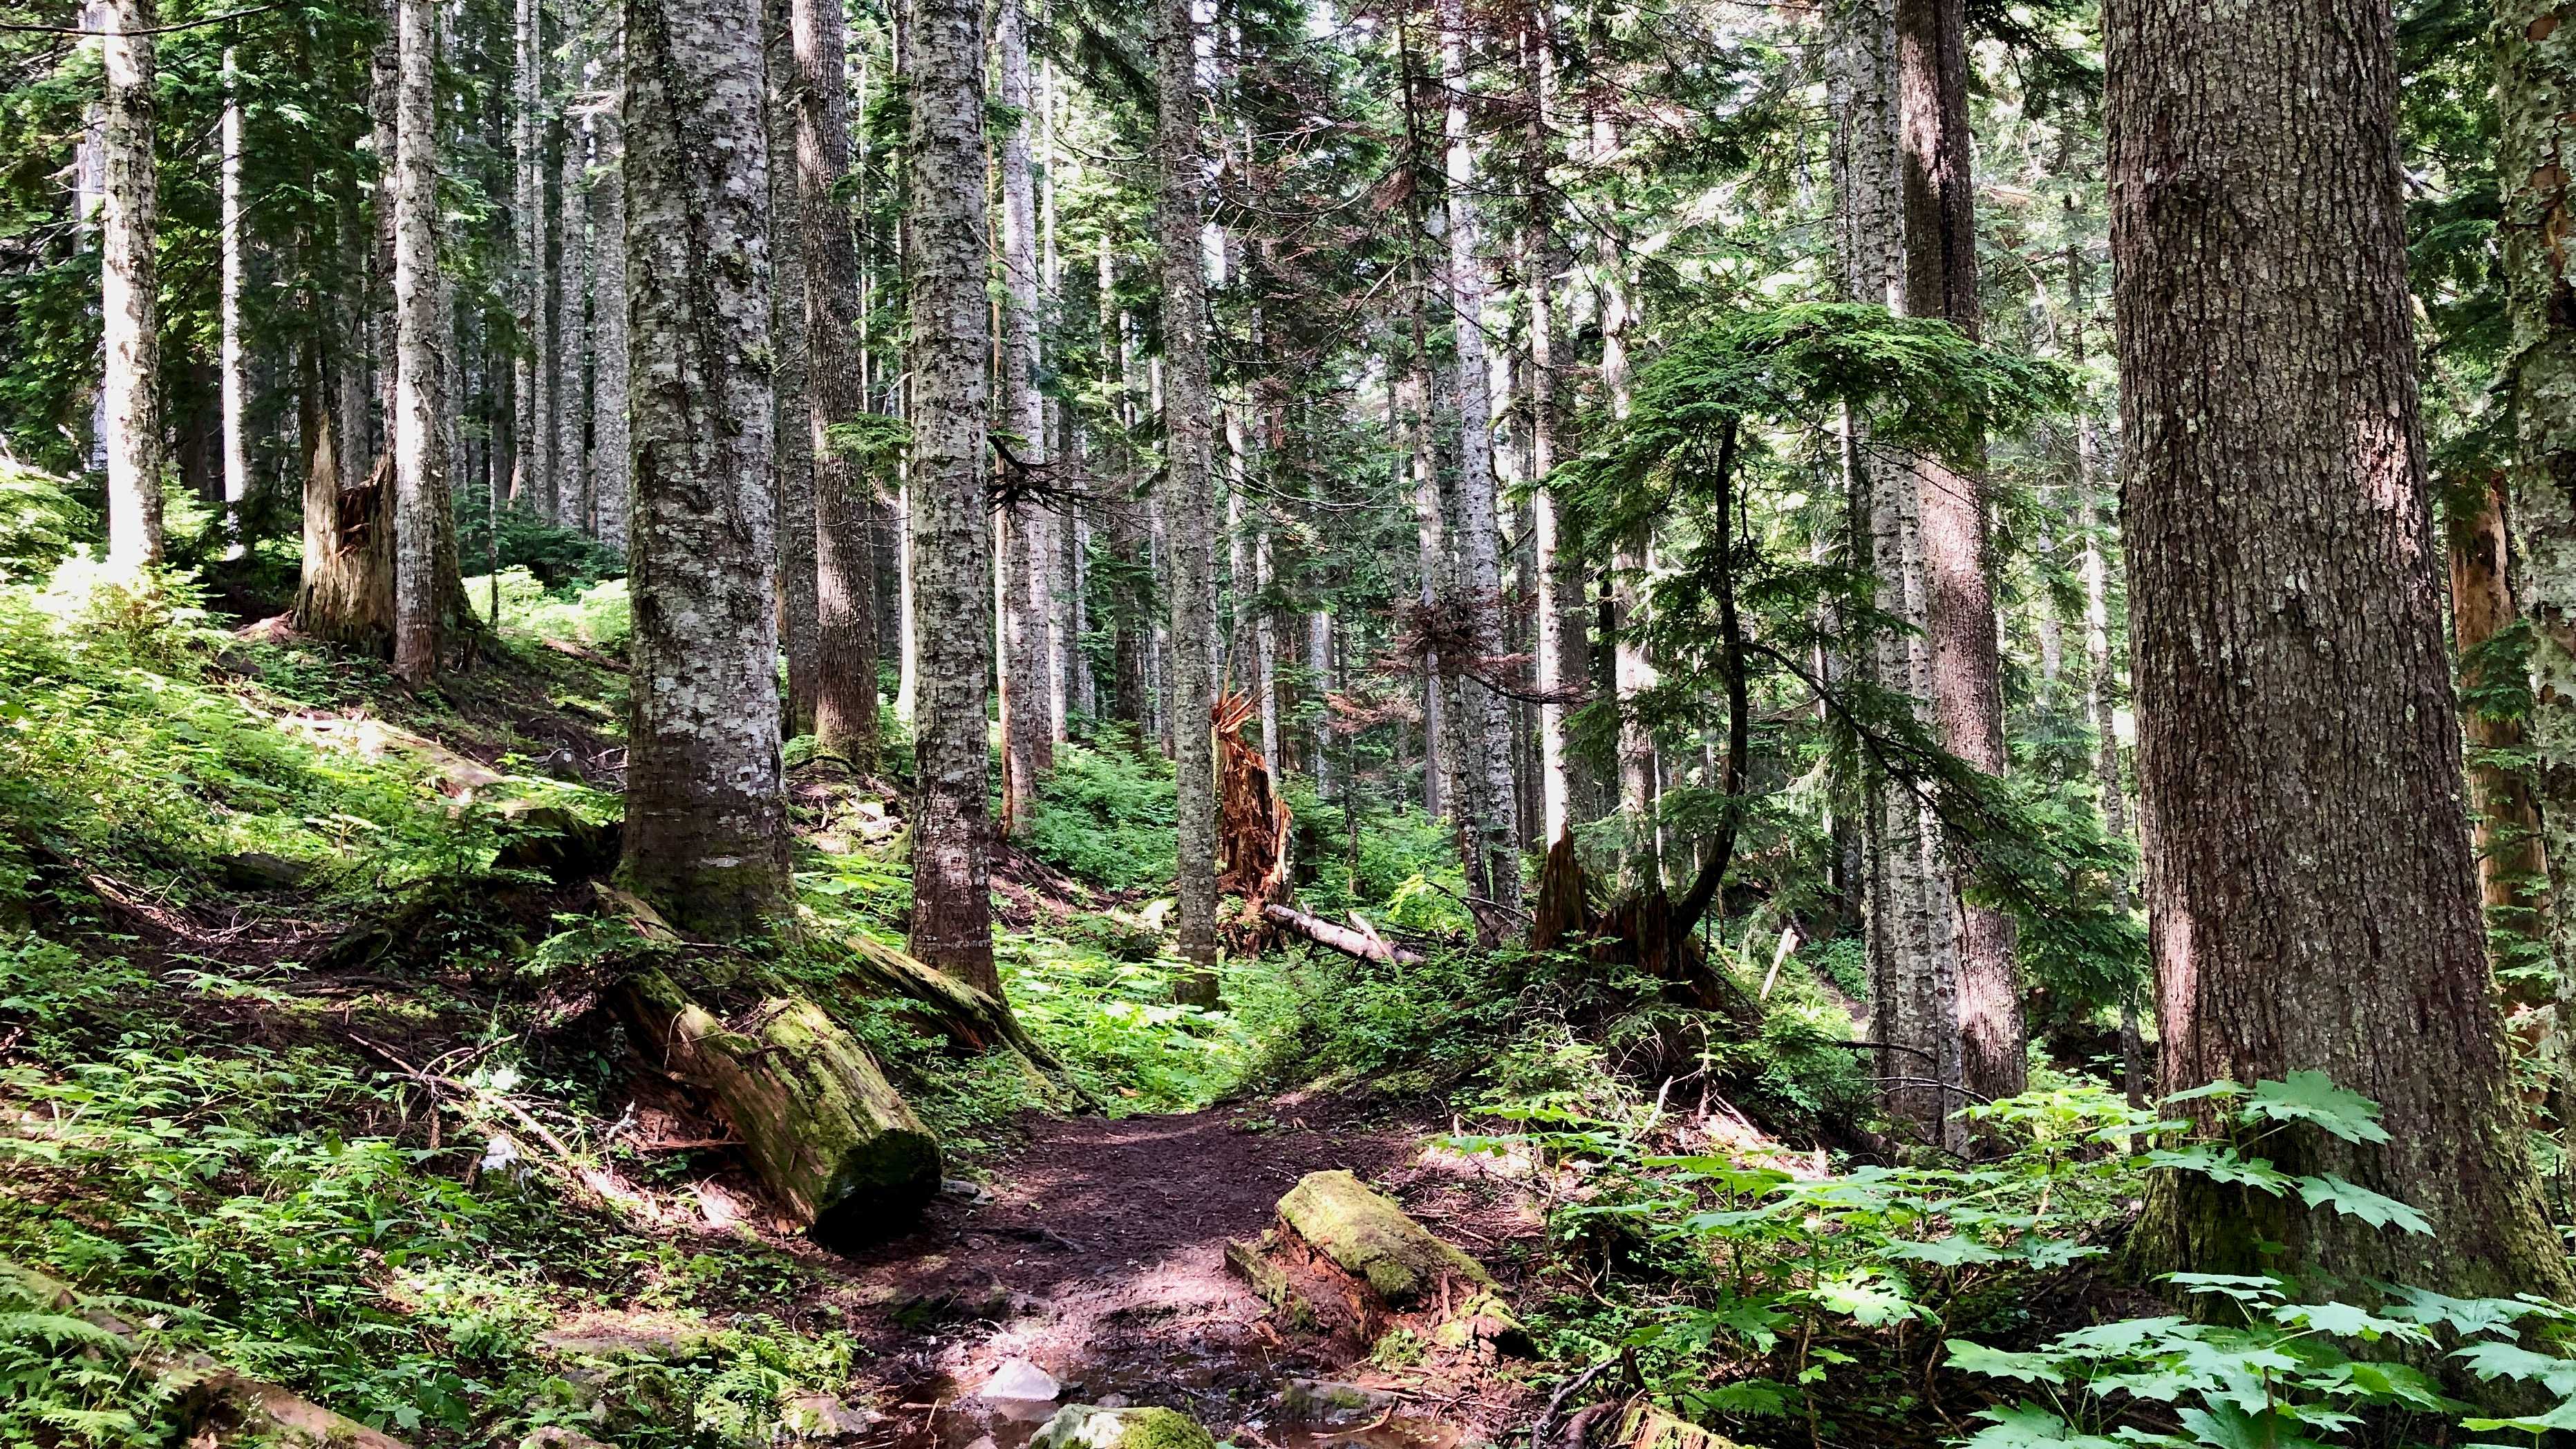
950 529
129 233
706 827
2312 902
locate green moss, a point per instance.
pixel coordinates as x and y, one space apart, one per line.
1083 1426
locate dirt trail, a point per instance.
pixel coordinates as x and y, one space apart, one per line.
1100 1257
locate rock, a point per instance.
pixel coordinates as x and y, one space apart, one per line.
552 839
821 1416
562 764
1369 1237
556 1436
973 1194
1020 1379
1321 1401
257 870
1089 1426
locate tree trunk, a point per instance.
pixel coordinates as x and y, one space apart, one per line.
1491 819
2536 88
1189 503
706 828
952 586
531 483
1941 276
1020 527
236 278
2312 902
420 512
791 376
1564 666
611 462
130 298
573 498
845 677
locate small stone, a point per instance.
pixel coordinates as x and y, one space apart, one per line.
974 1194
562 764
821 1416
556 1436
1021 1379
1321 1401
1090 1426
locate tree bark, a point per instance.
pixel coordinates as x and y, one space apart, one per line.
2311 898
1020 527
1933 152
705 813
2536 90
791 376
611 462
236 279
130 298
420 513
531 483
1564 663
1492 817
952 586
845 676
1189 503
573 498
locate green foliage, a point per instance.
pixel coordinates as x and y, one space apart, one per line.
1105 817
40 522
560 558
596 614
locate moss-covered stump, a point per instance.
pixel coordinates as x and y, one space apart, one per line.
834 1143
1367 1236
1083 1426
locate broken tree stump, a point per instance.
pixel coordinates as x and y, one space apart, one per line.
836 1146
1367 1236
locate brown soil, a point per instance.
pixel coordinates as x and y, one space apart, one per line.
1100 1257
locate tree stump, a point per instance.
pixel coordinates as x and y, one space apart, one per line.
1367 1236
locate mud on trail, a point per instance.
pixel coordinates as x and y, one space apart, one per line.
1099 1255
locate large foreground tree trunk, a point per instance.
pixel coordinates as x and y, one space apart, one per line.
1189 499
706 828
420 442
130 301
2312 902
952 587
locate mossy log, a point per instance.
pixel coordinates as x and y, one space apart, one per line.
969 1017
834 1143
1367 1236
205 1388
1085 1426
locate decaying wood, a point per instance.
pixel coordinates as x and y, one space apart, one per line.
1252 823
1366 1235
835 1145
1363 944
208 1386
1639 930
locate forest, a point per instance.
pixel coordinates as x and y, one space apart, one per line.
1288 724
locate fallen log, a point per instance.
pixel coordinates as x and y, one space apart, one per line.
833 1142
1362 945
206 1386
1367 1236
965 1015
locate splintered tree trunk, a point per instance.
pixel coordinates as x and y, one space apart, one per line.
2536 91
130 295
2312 902
1019 530
791 378
2512 868
952 580
347 592
420 443
1967 673
1492 819
611 461
845 565
1189 503
705 813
